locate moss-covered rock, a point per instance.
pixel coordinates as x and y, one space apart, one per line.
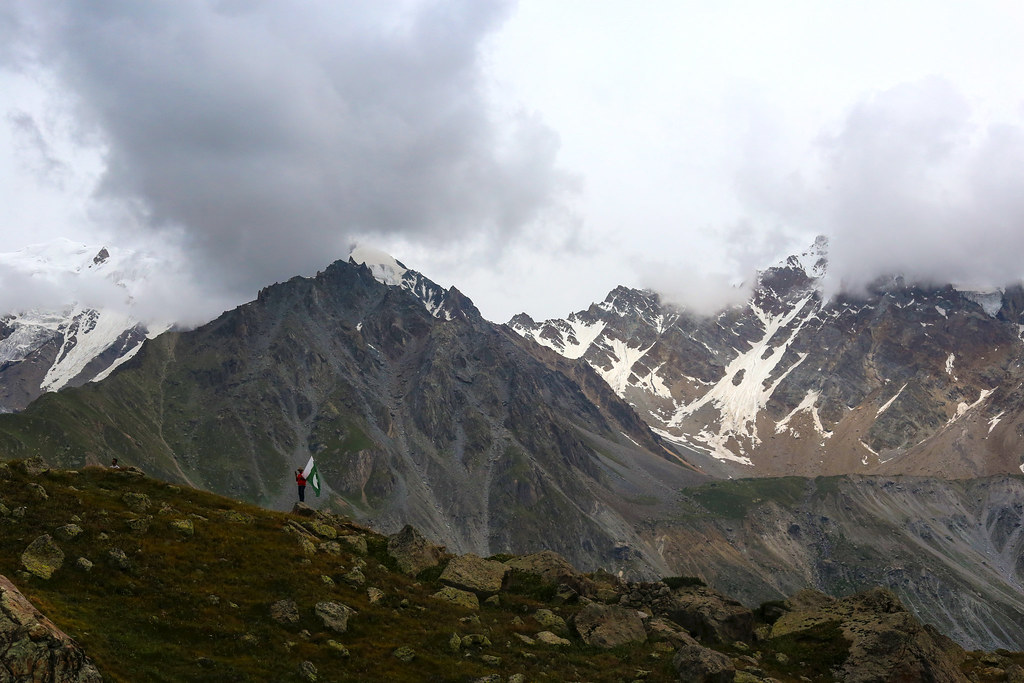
42 557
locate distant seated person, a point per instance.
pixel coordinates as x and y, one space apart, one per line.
114 465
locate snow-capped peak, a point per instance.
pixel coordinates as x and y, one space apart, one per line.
385 268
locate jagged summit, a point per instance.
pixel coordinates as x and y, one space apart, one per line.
386 269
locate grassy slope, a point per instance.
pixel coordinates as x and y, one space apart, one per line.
196 608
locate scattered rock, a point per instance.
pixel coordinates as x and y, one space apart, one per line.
412 552
524 639
236 517
334 615
67 532
137 502
374 594
354 578
550 621
323 530
698 664
33 649
474 573
42 557
34 466
475 640
609 626
307 546
307 671
356 544
184 526
139 524
330 547
118 559
404 654
36 491
84 564
549 638
284 612
338 649
491 660
459 597
493 601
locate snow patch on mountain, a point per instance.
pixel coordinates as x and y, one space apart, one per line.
991 301
890 401
622 357
810 405
741 394
573 339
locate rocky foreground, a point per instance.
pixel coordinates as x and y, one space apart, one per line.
148 581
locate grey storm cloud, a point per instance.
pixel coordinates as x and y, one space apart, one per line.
267 133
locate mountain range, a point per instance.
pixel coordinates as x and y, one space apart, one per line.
607 440
900 379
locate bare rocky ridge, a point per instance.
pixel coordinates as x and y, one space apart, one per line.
904 380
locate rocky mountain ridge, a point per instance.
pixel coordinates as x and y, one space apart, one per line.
904 380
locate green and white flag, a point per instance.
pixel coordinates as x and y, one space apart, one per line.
312 476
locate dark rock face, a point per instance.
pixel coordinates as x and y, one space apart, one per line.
32 648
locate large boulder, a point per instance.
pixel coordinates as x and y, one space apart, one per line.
33 649
698 664
42 557
412 552
886 643
473 573
334 615
609 625
458 597
709 615
551 567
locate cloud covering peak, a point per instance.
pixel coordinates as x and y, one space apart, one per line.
264 135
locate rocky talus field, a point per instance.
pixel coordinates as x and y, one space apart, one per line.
111 575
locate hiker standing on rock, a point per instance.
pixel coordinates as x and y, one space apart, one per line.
301 481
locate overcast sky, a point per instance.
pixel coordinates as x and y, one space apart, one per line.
534 154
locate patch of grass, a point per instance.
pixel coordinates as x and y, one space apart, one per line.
197 608
733 499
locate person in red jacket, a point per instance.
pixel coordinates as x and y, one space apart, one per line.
301 481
